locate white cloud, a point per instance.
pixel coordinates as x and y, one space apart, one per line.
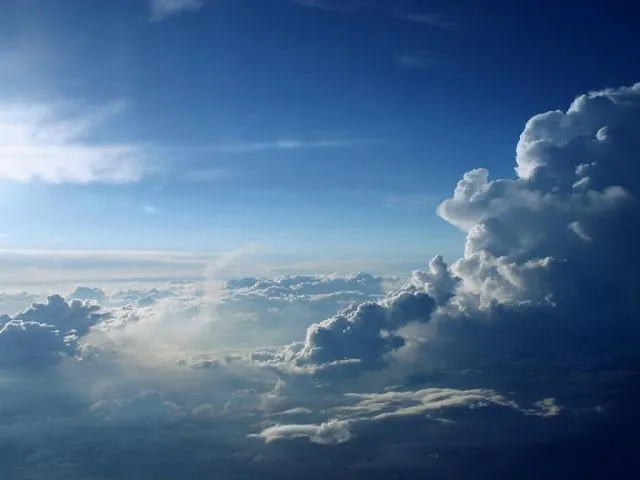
331 432
374 413
52 143
361 336
277 310
280 145
337 5
162 9
42 334
382 406
428 19
525 236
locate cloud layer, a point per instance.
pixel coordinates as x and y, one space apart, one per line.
523 344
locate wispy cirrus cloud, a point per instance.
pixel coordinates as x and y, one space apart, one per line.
162 9
337 5
52 143
251 147
428 19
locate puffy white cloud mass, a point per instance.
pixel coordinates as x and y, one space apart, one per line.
567 223
502 359
40 335
364 333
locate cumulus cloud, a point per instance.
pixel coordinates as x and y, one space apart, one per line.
29 344
75 316
88 293
363 334
564 226
52 143
279 309
40 335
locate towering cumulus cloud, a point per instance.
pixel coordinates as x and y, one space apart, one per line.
568 223
564 232
549 254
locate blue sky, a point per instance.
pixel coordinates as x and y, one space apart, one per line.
311 127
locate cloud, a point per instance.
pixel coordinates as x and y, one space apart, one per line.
569 211
518 346
15 302
59 266
332 432
362 335
65 266
383 406
52 143
42 334
285 145
25 344
150 209
162 9
337 5
240 313
428 19
88 293
68 317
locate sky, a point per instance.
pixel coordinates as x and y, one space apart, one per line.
314 128
350 239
